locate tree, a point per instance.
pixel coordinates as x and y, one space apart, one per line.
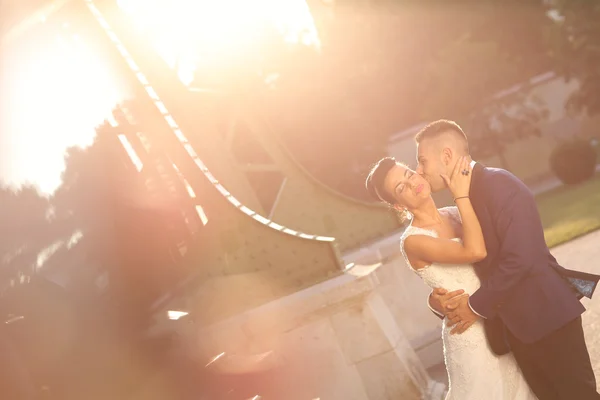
458 89
24 233
501 122
337 107
575 45
385 65
92 225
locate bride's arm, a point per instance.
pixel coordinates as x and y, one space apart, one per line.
427 249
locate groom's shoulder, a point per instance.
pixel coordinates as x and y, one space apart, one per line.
499 176
499 173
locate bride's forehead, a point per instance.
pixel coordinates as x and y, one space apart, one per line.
402 170
396 174
396 171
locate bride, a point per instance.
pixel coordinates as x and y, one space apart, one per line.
441 250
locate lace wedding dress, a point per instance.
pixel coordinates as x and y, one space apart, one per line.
474 371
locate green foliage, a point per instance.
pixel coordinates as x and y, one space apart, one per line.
575 45
24 231
574 161
386 65
34 224
502 121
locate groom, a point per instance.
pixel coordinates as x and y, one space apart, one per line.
529 303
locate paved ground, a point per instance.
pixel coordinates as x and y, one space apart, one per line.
582 254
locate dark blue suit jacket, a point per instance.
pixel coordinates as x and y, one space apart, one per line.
522 285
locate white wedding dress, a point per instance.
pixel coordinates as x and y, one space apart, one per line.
474 371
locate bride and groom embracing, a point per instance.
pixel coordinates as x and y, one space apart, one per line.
511 314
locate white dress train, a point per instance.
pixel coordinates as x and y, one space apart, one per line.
474 371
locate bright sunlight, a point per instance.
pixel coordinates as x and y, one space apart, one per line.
60 89
193 33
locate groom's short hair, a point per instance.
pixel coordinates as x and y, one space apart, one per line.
437 128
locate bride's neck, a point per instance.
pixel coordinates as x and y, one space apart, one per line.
427 214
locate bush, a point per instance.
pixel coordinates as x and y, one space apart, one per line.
574 161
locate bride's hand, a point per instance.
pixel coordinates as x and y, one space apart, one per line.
459 182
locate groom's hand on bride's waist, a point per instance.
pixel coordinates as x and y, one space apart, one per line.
460 315
440 298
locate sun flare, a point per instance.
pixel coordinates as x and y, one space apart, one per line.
60 88
193 33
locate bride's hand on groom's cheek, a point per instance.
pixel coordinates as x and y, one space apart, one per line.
460 316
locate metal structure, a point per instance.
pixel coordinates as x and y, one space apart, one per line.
225 237
242 151
240 204
192 220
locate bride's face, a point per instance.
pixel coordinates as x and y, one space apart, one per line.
406 186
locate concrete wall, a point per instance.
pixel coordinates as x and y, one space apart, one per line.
346 338
406 296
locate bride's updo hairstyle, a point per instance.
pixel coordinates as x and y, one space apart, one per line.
375 185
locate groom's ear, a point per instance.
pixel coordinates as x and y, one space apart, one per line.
447 155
